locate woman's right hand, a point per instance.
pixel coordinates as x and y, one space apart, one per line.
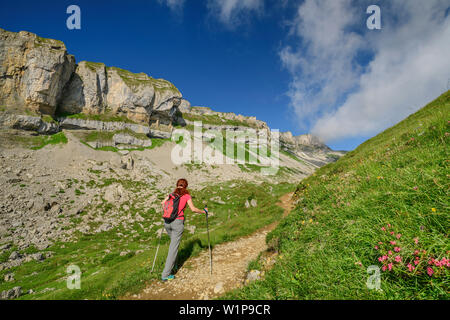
193 208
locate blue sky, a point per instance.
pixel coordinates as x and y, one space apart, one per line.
301 66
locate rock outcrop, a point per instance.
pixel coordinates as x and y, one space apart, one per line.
23 122
305 142
225 117
33 71
96 89
38 74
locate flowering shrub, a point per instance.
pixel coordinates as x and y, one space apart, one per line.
406 257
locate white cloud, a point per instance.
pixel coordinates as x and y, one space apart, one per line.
322 66
410 65
232 12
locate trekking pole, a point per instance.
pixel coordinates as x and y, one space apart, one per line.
157 248
209 244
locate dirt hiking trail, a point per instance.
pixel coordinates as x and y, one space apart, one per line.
229 260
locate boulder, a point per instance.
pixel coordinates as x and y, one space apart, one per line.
127 162
38 256
100 144
11 294
9 277
253 275
30 123
14 255
218 288
115 194
184 106
122 138
104 227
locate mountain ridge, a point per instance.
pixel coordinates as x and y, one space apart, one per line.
41 76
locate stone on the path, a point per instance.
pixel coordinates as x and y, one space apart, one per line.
254 275
218 288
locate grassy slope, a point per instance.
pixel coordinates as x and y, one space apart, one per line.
399 177
38 142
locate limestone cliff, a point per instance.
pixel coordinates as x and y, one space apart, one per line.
95 89
38 75
33 71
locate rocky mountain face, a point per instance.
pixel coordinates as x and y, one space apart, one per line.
96 89
39 75
305 147
33 71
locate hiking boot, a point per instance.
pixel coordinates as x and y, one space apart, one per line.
171 277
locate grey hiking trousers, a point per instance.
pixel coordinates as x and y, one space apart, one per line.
175 231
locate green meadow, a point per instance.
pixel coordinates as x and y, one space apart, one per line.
385 204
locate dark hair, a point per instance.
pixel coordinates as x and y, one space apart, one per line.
181 187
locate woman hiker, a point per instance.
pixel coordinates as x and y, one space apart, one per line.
175 228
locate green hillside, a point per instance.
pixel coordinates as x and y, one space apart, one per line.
387 200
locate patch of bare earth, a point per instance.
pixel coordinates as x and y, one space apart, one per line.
229 266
